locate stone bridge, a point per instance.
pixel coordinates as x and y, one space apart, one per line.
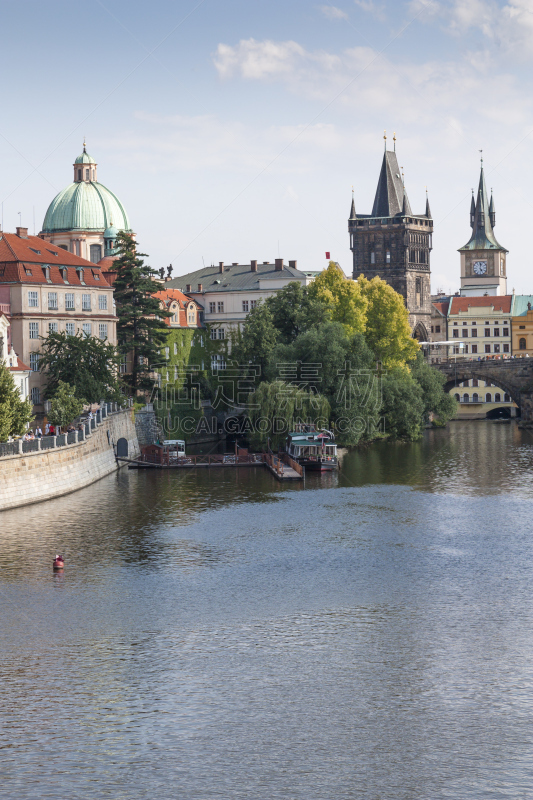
514 376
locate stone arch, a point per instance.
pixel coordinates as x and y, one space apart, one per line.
484 375
122 448
420 332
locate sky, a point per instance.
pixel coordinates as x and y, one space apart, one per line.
234 130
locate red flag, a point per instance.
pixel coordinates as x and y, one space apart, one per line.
328 255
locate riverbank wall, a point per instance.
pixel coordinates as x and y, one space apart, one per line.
28 478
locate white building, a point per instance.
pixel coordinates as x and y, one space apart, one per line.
19 371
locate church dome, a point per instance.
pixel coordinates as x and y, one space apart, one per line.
85 205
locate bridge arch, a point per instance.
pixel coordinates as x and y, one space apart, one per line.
500 379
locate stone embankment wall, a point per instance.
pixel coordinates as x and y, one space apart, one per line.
32 477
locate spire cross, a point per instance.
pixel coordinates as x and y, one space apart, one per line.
385 137
481 151
394 140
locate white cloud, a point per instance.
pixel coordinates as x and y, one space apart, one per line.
254 59
332 12
371 8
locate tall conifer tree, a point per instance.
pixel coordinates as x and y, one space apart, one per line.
141 328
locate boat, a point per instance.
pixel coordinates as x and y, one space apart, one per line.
175 448
313 449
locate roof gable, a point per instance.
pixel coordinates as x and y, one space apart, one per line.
500 304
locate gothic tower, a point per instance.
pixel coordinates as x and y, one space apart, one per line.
483 267
394 244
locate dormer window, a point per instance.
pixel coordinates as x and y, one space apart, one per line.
35 251
79 273
46 270
64 274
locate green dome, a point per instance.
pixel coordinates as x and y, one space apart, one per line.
85 206
85 158
111 233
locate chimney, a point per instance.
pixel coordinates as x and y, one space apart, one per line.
221 266
22 233
188 287
279 264
200 287
253 266
234 263
293 264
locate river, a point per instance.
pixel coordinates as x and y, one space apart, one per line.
216 634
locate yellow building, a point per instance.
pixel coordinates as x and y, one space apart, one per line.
522 325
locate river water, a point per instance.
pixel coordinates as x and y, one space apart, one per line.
216 634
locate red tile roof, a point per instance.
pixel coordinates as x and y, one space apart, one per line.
22 261
442 307
167 296
501 304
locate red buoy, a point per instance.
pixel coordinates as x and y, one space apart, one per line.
59 562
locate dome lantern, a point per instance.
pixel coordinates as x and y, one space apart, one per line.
85 167
110 236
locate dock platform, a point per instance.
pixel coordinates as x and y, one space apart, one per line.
281 466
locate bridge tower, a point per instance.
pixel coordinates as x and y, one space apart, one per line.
483 259
395 244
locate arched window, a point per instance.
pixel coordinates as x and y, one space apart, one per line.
497 397
96 253
506 398
458 398
387 256
475 397
372 257
466 398
522 344
86 174
488 398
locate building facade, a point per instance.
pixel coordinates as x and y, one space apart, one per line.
227 293
85 217
394 244
522 326
481 325
483 259
50 289
439 330
19 370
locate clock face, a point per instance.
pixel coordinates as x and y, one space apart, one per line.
480 267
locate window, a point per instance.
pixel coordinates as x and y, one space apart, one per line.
488 383
87 328
86 302
52 327
34 330
253 303
474 333
497 397
79 174
95 253
465 333
496 348
33 299
475 397
69 301
455 323
506 348
212 308
167 353
140 360
387 256
437 328
175 348
86 174
221 333
52 300
475 382
432 329
218 362
522 327
521 344
487 323
220 308
102 302
456 334
466 398
28 271
465 349
372 257
473 323
102 330
505 332
70 329
34 362
487 348
457 397
474 348
245 306
506 398
412 256
466 384
488 398
35 395
122 365
213 333
496 332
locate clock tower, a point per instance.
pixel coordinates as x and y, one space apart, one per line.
483 259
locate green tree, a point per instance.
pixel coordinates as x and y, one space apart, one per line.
255 342
283 404
295 310
15 414
65 406
436 400
387 331
403 405
88 364
141 328
344 298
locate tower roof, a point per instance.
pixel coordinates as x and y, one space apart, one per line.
85 158
391 197
483 237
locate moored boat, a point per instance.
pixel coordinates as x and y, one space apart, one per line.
313 449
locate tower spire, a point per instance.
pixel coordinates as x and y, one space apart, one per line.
352 209
428 211
492 210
